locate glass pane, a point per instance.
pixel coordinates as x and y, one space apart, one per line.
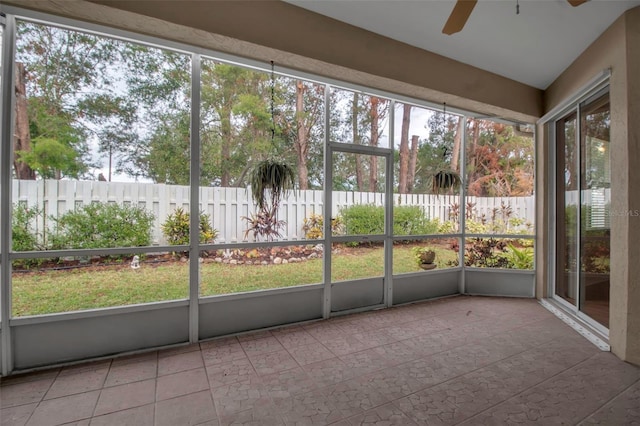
567 212
500 178
358 194
509 253
250 269
239 111
425 255
359 119
53 285
426 144
595 194
102 158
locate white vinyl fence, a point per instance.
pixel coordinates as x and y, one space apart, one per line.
227 206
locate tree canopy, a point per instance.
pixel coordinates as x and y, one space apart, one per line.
89 104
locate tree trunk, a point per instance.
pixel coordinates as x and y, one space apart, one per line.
356 141
403 187
413 160
472 160
373 169
457 142
21 137
225 152
302 142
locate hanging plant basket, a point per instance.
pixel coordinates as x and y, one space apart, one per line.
273 175
446 181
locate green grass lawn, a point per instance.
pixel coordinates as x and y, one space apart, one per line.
44 292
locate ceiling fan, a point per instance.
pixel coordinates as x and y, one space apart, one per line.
462 10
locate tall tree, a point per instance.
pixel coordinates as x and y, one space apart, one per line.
167 158
375 117
236 124
301 125
158 85
355 112
63 67
413 160
457 142
403 185
500 161
21 138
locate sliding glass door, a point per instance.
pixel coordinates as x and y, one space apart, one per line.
567 209
583 194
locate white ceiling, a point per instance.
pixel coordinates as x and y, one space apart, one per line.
533 47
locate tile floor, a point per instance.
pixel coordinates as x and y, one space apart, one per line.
462 360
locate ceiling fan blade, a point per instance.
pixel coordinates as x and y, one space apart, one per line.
459 15
576 3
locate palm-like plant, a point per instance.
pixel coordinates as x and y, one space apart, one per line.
270 181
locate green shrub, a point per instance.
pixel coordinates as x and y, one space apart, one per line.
176 228
411 220
313 226
447 227
24 237
362 219
476 227
497 253
486 253
103 225
519 258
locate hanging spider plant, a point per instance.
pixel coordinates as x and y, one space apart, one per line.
274 176
270 181
445 181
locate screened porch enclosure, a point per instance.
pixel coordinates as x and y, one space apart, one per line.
128 219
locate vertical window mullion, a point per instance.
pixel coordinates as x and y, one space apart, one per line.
194 203
6 151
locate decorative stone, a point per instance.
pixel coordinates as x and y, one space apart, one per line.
285 261
264 262
233 262
218 260
277 261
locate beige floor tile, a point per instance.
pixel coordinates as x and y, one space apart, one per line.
122 373
23 392
192 409
180 362
65 409
126 396
138 416
79 381
182 383
16 416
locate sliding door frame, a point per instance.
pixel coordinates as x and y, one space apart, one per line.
597 87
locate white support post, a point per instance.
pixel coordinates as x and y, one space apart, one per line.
194 199
328 211
6 151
